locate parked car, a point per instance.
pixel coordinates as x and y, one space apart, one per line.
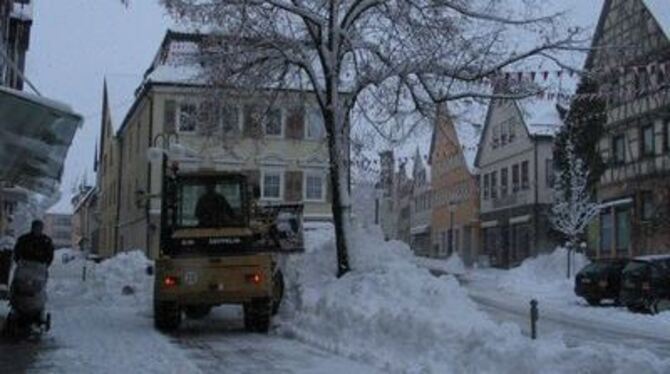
600 280
646 283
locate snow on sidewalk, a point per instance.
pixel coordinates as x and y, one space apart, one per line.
98 329
544 278
397 316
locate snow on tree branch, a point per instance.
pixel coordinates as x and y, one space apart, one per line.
573 208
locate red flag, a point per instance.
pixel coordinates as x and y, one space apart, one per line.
559 73
545 74
520 74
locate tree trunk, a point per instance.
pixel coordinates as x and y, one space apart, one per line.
338 137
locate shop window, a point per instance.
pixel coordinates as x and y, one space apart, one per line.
622 229
606 231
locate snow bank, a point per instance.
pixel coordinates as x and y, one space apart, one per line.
393 314
453 265
545 274
104 282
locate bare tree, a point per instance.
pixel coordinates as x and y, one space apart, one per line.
383 59
574 207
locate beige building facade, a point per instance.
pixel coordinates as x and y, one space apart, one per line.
276 138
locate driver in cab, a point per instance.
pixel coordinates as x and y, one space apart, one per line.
213 209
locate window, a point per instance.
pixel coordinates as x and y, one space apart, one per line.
606 229
230 119
314 187
512 133
525 184
646 205
273 123
202 203
315 127
515 178
494 185
496 136
622 229
618 150
486 186
550 172
272 185
648 140
503 182
187 117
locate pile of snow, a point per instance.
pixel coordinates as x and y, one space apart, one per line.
102 283
453 265
393 314
545 274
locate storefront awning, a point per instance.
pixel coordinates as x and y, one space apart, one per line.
35 135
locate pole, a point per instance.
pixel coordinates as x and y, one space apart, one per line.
568 266
534 316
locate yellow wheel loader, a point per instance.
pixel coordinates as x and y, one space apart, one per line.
219 246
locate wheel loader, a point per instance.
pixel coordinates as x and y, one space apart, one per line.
218 246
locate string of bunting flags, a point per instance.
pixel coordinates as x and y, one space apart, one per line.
662 67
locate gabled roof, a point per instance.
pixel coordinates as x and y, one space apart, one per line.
542 118
467 118
659 9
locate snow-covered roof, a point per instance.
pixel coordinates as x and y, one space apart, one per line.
23 12
660 10
33 146
541 116
176 62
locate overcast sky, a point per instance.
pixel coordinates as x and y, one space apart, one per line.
75 44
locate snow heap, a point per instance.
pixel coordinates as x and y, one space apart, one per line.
395 315
545 274
105 282
453 265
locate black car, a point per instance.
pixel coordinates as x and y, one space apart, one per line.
646 282
600 280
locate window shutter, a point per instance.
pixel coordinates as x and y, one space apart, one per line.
293 186
170 114
329 192
253 180
252 122
295 123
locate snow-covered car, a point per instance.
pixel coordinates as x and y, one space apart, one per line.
600 280
646 283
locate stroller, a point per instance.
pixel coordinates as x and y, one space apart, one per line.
27 299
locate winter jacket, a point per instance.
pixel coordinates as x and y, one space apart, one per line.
31 247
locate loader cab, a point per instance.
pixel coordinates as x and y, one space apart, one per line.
205 213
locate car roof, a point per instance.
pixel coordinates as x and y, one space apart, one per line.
650 258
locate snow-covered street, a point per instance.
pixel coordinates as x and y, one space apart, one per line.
387 315
96 328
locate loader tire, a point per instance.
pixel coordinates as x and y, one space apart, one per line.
257 316
167 316
277 292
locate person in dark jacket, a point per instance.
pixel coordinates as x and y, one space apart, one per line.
35 246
